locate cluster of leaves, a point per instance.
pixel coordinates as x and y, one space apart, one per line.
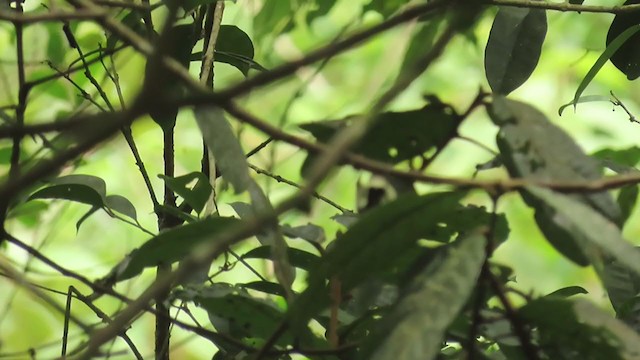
406 278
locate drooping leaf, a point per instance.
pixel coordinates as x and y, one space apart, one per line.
598 238
195 196
395 137
415 327
169 246
612 47
224 146
122 205
514 47
373 245
235 47
532 147
584 99
562 325
627 57
298 258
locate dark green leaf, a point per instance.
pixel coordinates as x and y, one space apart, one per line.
170 246
74 192
298 258
532 147
627 57
596 235
395 137
514 47
415 327
629 157
265 287
86 216
562 326
234 47
568 291
373 245
196 196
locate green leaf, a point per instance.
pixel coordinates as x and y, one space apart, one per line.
584 99
224 146
532 147
596 235
612 47
298 258
563 325
234 47
514 47
568 291
196 196
373 245
626 57
266 287
86 189
395 136
415 326
274 18
122 205
170 246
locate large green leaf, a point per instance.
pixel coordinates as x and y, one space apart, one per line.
563 325
224 146
597 237
373 245
532 147
169 246
514 47
235 48
86 189
415 327
395 136
627 57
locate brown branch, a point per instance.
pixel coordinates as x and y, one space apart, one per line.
565 6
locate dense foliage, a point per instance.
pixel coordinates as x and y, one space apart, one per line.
200 150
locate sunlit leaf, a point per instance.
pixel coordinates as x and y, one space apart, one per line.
514 47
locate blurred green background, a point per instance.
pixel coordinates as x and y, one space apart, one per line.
346 85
